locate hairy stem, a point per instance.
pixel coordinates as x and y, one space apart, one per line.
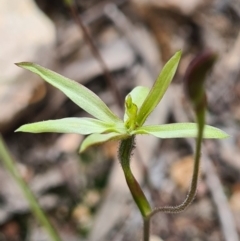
9 164
196 167
125 151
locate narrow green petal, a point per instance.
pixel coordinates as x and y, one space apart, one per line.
78 93
181 130
96 139
82 126
159 88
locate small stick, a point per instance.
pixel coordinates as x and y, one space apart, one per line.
96 53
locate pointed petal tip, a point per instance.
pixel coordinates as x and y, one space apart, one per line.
179 52
23 64
226 135
19 129
159 88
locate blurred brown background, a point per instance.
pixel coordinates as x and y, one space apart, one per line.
86 196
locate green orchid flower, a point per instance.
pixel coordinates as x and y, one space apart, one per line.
139 104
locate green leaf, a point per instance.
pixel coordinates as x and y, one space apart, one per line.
181 130
96 139
82 126
159 88
78 93
138 95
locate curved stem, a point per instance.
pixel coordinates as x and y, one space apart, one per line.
125 151
193 187
36 209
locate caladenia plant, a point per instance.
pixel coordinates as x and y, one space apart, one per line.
139 104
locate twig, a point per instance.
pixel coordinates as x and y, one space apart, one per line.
96 54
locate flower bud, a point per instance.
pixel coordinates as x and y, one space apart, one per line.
195 77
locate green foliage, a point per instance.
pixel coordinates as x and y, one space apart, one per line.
139 104
159 88
180 130
78 93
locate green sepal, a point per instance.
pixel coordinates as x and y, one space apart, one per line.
159 88
131 111
82 126
96 139
131 108
181 130
138 95
78 93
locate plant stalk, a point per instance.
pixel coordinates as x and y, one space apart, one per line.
10 165
146 229
125 151
200 115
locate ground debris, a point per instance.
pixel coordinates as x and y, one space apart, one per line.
86 195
